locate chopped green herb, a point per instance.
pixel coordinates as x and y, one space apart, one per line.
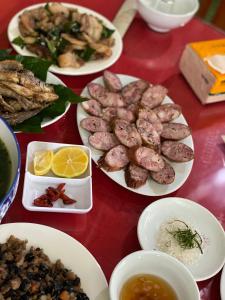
106 32
72 27
47 8
19 42
86 53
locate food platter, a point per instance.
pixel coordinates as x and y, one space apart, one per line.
87 68
73 254
201 219
151 188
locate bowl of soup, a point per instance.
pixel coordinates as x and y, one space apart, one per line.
10 161
152 275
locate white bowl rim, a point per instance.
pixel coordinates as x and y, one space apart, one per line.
18 163
156 254
171 14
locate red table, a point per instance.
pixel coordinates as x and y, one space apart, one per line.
109 230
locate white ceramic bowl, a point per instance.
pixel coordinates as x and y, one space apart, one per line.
155 263
163 17
9 139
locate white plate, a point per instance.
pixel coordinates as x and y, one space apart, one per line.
77 188
151 188
201 219
222 284
89 67
72 254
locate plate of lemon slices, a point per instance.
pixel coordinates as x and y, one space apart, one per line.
58 178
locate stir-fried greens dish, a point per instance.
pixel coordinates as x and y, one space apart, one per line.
63 35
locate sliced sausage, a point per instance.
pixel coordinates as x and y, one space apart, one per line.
103 140
175 131
135 176
115 159
127 133
177 151
110 113
148 134
96 90
133 91
95 124
164 176
167 112
147 158
133 107
92 107
150 116
111 99
112 81
153 96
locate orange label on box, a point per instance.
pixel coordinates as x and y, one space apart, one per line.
209 48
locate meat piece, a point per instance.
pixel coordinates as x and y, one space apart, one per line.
101 49
19 117
103 140
39 50
111 99
95 124
168 112
150 116
175 131
69 60
109 113
177 151
10 65
133 107
153 96
96 90
5 106
133 91
135 176
125 114
91 26
92 107
112 81
148 134
27 22
115 159
80 45
58 8
127 133
147 158
164 176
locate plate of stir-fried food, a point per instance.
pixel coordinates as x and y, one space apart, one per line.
77 40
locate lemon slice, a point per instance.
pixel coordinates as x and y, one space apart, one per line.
42 162
70 162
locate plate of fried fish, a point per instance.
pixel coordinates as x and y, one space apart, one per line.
23 96
138 135
77 40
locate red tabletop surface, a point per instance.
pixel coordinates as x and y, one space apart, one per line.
109 230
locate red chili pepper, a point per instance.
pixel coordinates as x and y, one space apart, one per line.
60 187
67 200
42 202
53 194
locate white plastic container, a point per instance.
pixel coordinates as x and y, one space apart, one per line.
79 188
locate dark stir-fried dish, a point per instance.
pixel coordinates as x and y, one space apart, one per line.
63 35
134 128
5 170
22 95
29 275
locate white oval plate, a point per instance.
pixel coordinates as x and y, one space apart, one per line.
89 67
151 188
222 284
58 245
200 218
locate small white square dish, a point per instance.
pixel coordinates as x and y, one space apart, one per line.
79 189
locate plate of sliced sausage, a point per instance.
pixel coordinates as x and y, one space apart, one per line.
137 134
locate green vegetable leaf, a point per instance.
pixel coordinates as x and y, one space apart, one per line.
106 32
86 53
72 27
30 125
47 8
19 42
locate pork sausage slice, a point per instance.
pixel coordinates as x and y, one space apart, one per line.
112 81
103 140
168 112
147 158
149 135
177 151
133 91
95 124
150 116
92 107
135 176
110 113
153 96
164 176
115 159
175 131
96 90
127 133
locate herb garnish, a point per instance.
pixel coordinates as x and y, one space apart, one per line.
186 238
19 42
